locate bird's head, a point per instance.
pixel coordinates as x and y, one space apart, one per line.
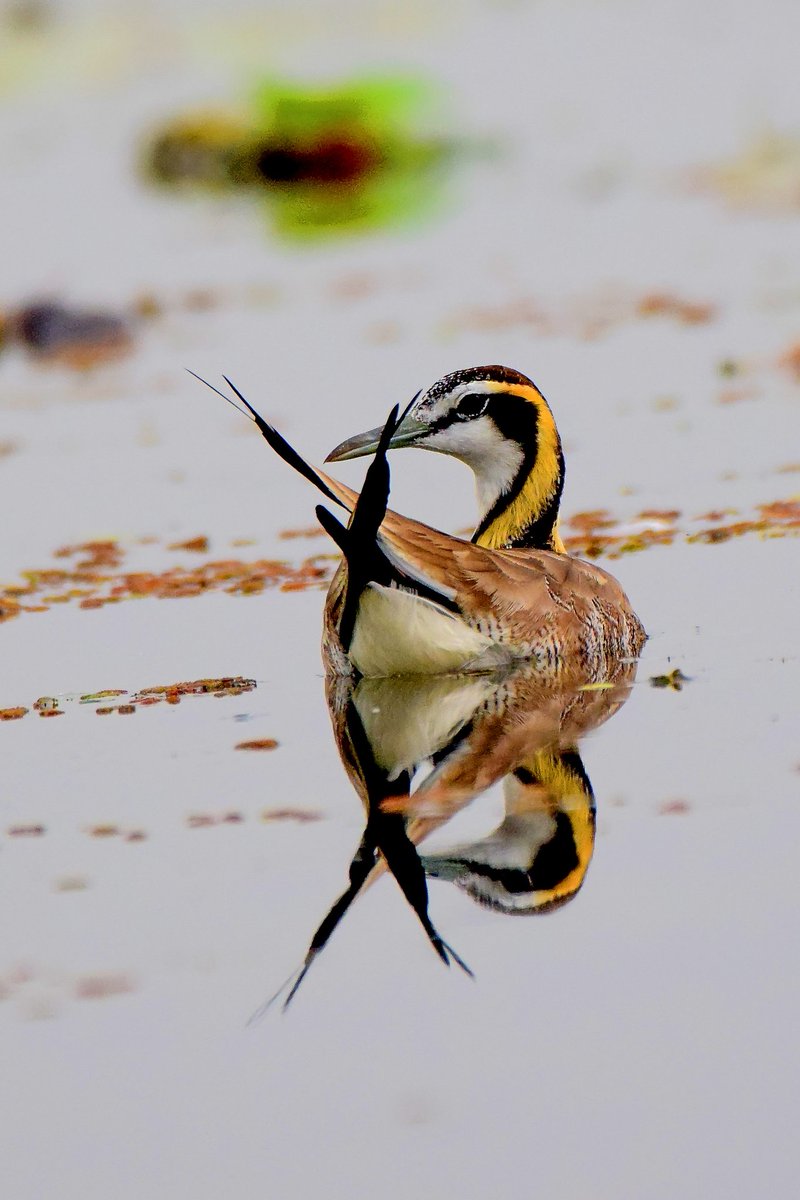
497 421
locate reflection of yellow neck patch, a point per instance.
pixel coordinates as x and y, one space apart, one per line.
541 485
558 788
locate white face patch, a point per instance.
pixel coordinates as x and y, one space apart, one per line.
494 459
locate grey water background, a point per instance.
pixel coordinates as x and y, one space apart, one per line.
642 1042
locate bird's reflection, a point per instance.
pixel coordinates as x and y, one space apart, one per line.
418 749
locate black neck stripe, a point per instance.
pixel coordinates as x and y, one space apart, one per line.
539 534
517 420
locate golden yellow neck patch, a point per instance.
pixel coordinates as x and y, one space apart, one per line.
537 499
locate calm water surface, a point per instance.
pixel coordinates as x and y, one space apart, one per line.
634 1032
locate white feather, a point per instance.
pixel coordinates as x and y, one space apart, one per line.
400 633
408 720
494 459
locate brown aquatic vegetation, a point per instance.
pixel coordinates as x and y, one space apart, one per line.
586 317
599 534
198 545
311 531
663 304
674 807
97 576
303 816
228 685
107 830
97 987
790 360
172 693
8 607
206 820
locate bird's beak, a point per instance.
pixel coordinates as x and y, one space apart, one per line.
408 433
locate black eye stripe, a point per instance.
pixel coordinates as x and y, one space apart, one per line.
470 406
513 414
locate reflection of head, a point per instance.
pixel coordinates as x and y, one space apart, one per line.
537 858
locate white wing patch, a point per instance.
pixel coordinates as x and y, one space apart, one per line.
412 571
408 720
401 633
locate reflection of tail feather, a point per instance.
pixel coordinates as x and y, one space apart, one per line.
401 858
362 863
384 845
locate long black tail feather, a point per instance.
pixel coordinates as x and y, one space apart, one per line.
358 541
275 440
366 562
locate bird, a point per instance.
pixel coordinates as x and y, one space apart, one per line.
473 731
408 599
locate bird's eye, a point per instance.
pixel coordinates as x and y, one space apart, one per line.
471 406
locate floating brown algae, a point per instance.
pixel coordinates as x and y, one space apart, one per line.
9 607
585 317
226 685
674 807
231 685
311 531
304 816
197 545
597 533
790 360
99 986
207 820
98 578
12 714
664 304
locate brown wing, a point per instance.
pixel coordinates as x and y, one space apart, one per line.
531 594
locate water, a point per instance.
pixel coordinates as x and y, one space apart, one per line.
639 1040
